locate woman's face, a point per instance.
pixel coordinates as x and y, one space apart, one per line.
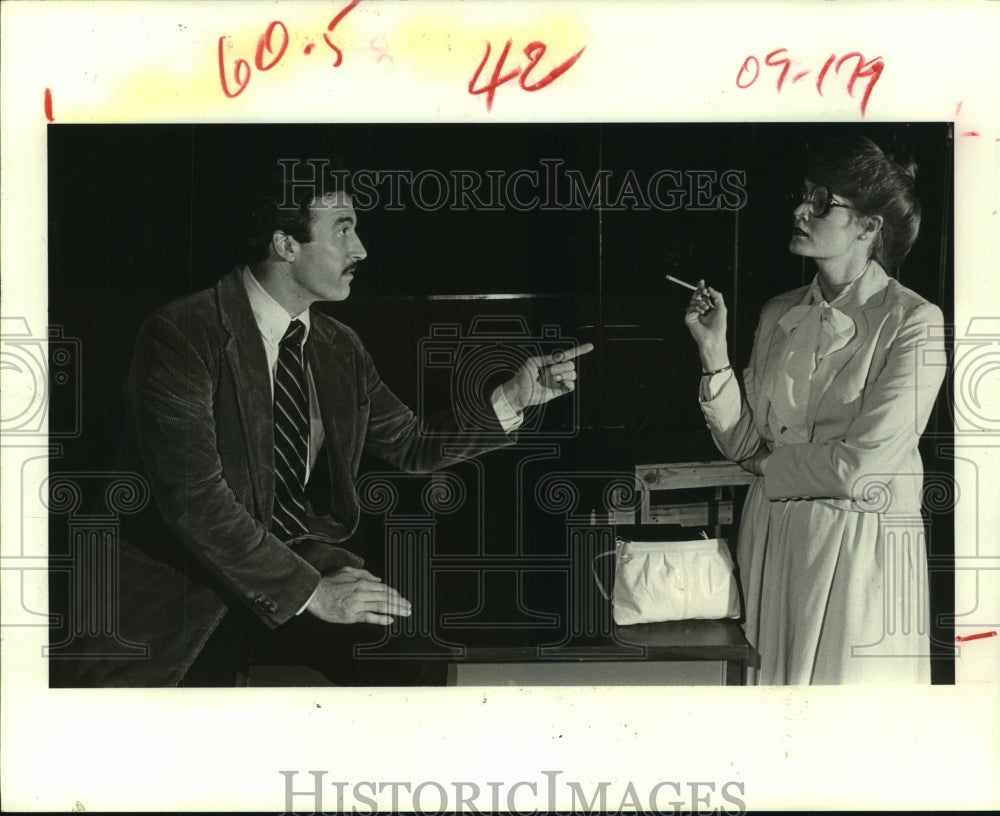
829 236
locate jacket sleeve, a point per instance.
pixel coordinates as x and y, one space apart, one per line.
397 436
887 430
170 395
728 414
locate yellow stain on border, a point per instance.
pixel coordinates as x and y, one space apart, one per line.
195 82
443 45
377 48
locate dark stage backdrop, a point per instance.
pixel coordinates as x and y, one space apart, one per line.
142 214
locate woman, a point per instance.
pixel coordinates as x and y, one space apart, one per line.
837 392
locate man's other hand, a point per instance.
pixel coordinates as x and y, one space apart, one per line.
540 379
353 595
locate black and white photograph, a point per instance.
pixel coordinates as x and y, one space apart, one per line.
498 407
515 450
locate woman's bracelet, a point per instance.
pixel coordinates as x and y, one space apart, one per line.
726 367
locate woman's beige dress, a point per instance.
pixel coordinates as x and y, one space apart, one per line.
832 549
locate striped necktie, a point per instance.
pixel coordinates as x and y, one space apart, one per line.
291 435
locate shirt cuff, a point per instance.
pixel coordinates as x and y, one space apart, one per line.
509 419
309 601
719 396
711 386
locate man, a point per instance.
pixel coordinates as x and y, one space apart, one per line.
247 414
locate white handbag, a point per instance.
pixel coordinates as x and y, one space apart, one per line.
671 580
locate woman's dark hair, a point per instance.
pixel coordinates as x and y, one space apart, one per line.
879 182
278 198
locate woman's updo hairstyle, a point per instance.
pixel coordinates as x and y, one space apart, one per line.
878 182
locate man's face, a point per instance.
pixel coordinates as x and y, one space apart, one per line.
324 267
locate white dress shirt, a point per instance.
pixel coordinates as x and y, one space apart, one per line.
273 322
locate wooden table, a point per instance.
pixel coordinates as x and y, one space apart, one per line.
625 658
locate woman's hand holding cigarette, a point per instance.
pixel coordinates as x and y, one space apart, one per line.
706 320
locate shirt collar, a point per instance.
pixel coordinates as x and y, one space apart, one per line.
271 317
816 293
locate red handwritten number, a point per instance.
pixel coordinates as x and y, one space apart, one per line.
241 74
745 68
333 24
862 70
534 51
497 79
822 73
273 43
869 70
771 59
265 42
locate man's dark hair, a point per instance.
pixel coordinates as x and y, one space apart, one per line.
278 198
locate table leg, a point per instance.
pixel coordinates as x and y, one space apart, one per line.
736 673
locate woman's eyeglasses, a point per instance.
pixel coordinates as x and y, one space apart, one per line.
819 199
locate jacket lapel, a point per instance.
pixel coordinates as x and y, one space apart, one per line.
777 345
244 353
334 376
866 297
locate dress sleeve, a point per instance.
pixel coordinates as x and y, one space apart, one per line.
896 408
728 414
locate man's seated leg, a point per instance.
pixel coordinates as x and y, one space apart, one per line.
329 648
223 655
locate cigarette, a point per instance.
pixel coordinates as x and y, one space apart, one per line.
679 282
